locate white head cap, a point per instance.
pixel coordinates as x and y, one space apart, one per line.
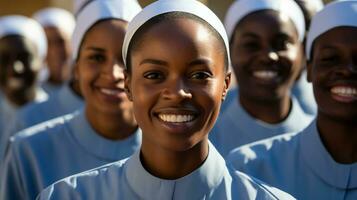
56 17
317 4
26 27
159 7
99 10
336 14
241 8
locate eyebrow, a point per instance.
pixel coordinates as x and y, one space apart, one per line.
153 61
95 49
250 35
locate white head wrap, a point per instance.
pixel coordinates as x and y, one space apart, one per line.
241 8
167 6
336 14
26 27
99 10
56 17
317 4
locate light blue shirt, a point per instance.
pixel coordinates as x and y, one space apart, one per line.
63 102
8 117
304 93
235 127
299 164
127 179
51 89
37 158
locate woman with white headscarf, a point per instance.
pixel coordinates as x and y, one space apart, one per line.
176 86
58 25
103 131
266 38
319 162
22 51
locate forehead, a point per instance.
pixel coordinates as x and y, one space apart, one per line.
106 31
345 36
186 33
267 21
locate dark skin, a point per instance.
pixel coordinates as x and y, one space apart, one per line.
266 57
99 71
182 77
19 65
58 54
333 72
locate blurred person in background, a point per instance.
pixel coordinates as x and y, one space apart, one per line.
104 131
23 48
58 25
266 39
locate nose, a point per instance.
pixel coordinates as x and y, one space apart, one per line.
18 67
176 90
269 55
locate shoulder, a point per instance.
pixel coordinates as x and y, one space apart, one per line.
247 187
263 150
91 184
41 132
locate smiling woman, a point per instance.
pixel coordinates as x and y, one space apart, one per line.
176 53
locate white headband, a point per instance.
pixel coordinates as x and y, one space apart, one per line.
99 10
167 6
26 27
56 17
241 8
336 14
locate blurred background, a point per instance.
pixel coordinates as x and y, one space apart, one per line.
28 7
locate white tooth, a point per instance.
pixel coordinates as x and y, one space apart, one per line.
265 74
176 118
344 91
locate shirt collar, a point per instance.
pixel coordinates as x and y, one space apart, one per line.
92 142
195 185
343 176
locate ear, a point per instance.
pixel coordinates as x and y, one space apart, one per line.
127 85
227 82
309 71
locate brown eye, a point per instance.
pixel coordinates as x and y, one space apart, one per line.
154 75
97 58
250 45
201 75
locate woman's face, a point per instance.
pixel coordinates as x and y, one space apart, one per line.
266 55
58 54
177 83
100 68
19 66
333 73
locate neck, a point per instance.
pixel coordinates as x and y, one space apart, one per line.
75 87
111 126
269 111
168 164
339 138
23 98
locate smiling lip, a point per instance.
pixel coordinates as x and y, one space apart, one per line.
344 94
112 94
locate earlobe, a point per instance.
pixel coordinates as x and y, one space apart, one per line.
227 82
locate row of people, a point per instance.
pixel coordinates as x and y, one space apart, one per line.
176 96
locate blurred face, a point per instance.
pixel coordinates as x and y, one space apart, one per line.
100 68
333 73
19 65
177 85
58 54
266 55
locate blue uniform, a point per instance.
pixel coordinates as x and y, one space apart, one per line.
235 127
63 102
304 93
37 158
127 179
8 117
299 164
